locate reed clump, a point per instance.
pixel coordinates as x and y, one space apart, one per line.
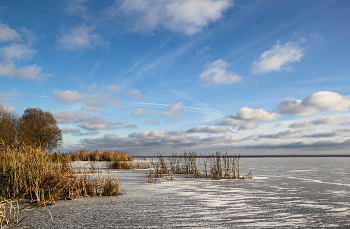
31 173
84 155
217 166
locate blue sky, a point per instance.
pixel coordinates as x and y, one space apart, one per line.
253 77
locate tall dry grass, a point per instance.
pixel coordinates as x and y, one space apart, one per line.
84 155
30 173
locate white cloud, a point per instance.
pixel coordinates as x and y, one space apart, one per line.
130 126
77 7
7 107
17 52
135 94
277 58
80 38
110 89
8 34
94 103
250 114
172 112
231 120
216 74
142 112
92 86
92 126
32 72
209 129
201 51
331 120
159 138
315 103
181 16
291 133
154 122
77 132
248 118
248 126
85 120
344 132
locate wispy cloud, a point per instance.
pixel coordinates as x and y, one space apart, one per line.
81 38
174 110
94 103
142 112
8 34
277 58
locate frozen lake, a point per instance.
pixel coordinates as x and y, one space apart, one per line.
284 192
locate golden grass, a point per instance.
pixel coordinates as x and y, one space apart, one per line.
84 155
30 173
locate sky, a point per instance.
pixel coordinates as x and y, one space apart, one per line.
167 76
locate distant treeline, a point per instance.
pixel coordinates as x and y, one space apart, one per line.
84 155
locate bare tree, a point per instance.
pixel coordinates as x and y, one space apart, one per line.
8 127
39 129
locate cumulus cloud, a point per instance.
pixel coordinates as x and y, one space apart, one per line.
181 16
80 38
131 126
209 129
142 112
216 73
94 103
277 58
154 122
331 120
135 94
110 89
315 103
174 110
13 53
158 138
248 126
85 120
8 34
248 118
246 113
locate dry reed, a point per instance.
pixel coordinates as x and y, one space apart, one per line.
30 173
